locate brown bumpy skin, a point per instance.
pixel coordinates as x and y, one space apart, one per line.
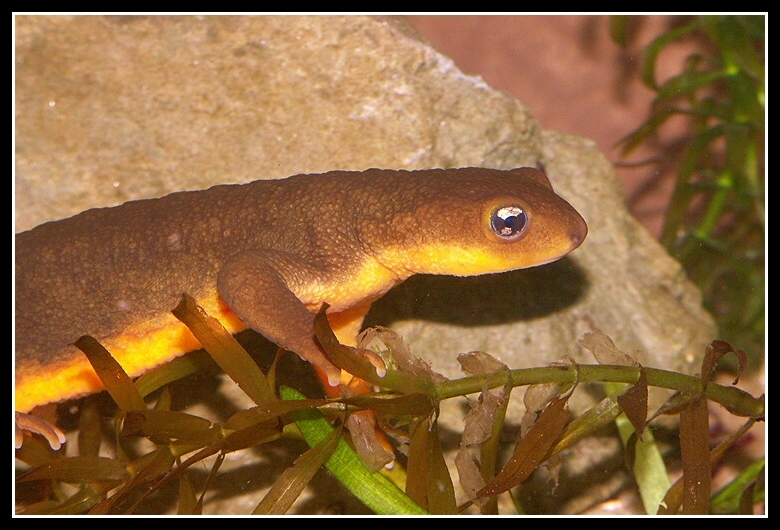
263 255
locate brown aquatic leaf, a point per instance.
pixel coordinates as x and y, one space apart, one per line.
78 469
715 350
535 399
712 354
634 403
742 358
111 374
416 482
178 368
288 487
469 475
533 447
257 434
429 485
254 435
695 454
693 493
187 499
145 470
478 453
604 350
90 429
480 363
164 399
152 465
395 353
414 405
746 500
441 492
171 425
479 422
674 497
211 476
88 496
244 419
225 350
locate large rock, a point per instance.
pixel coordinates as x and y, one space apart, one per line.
110 109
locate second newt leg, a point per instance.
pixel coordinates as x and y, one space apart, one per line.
255 285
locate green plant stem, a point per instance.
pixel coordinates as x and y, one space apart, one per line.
716 206
737 401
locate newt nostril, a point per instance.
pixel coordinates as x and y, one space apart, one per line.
579 232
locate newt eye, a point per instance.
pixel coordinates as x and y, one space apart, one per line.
509 222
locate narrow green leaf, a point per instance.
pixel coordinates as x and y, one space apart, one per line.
187 499
729 498
687 83
736 37
649 469
294 479
111 374
679 204
656 47
647 463
746 501
585 425
645 131
619 29
225 350
173 370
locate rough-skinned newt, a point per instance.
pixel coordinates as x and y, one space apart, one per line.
264 255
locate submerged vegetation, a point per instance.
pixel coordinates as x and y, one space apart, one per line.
715 223
405 403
